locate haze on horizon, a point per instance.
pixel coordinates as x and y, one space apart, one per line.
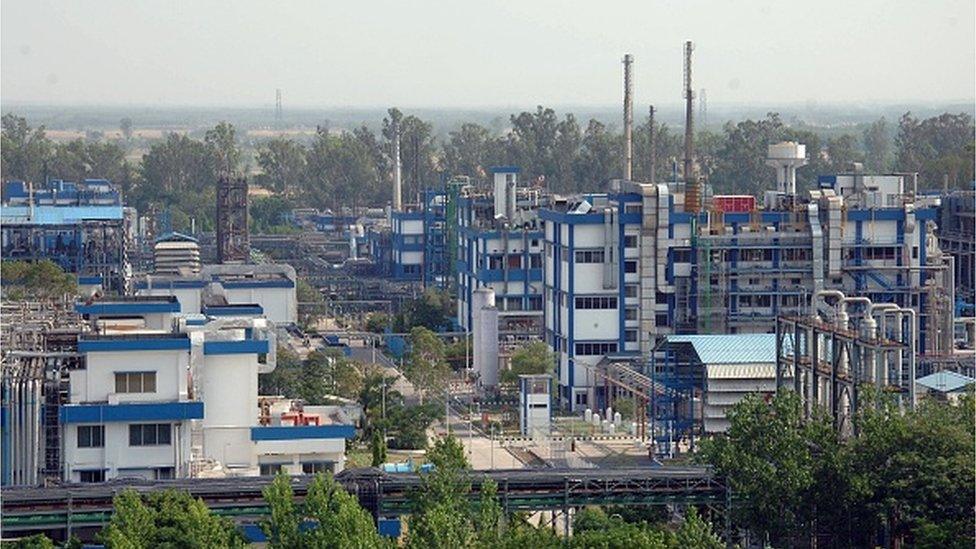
438 53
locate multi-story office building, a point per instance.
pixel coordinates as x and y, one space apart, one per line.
623 268
499 247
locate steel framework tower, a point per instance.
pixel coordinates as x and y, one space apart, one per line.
233 241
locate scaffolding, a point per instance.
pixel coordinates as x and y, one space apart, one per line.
233 243
675 408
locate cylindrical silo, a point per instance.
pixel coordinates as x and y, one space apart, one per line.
484 328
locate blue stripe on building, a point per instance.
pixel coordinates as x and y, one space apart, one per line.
108 413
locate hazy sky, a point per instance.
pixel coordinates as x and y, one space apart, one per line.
454 53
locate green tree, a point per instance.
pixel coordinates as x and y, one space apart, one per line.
532 358
842 151
340 521
877 144
377 447
42 279
37 541
306 293
442 516
466 151
281 524
768 456
488 522
315 380
285 378
599 158
125 125
284 165
221 140
939 148
166 519
425 366
695 532
24 151
912 473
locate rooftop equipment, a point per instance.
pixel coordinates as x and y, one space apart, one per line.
786 157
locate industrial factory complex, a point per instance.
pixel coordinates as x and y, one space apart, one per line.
659 292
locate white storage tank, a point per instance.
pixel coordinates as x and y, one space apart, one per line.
484 327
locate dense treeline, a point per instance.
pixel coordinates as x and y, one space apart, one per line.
354 168
903 478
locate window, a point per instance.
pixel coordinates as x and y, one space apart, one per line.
630 266
633 208
495 262
514 261
661 319
313 467
596 302
589 256
270 469
681 255
630 241
631 290
594 349
165 473
630 313
135 382
150 434
630 336
535 261
91 436
535 303
92 476
513 303
581 399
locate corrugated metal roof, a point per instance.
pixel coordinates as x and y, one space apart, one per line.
945 381
765 370
731 348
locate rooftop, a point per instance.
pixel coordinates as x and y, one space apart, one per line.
945 381
730 349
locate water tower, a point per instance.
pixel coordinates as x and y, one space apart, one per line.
786 157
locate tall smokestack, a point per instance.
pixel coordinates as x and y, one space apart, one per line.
652 146
628 118
689 123
397 168
692 192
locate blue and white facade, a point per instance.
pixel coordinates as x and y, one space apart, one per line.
83 227
272 287
625 268
500 248
416 250
159 393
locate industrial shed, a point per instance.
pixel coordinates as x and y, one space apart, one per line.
730 366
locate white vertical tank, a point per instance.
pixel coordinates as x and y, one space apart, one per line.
786 157
484 328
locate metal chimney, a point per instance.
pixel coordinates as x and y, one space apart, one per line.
652 146
692 191
628 118
397 168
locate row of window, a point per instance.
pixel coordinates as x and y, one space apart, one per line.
599 302
159 473
308 468
595 349
140 434
135 382
514 261
591 256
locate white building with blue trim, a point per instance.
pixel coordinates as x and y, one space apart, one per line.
500 242
163 394
627 267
